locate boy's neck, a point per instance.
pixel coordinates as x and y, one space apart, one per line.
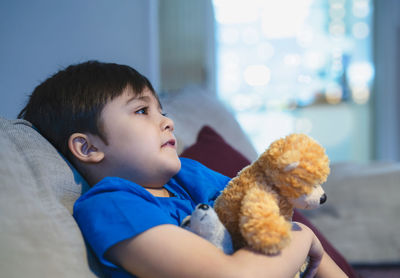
159 192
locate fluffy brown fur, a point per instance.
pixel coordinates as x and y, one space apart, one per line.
255 207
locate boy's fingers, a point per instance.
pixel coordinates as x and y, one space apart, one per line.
315 255
312 268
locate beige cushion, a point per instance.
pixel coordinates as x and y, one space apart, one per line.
194 107
360 217
39 237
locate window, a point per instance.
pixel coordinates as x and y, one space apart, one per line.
298 66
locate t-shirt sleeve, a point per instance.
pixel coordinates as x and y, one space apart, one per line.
108 217
203 184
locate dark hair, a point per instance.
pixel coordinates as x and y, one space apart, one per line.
72 100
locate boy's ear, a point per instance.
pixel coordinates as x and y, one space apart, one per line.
83 149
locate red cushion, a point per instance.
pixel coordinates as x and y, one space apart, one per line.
211 150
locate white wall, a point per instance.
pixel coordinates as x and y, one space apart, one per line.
40 37
187 44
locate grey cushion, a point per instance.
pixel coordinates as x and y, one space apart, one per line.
194 107
360 217
39 237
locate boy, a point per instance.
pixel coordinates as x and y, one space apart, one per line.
107 120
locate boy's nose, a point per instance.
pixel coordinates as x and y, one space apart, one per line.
167 124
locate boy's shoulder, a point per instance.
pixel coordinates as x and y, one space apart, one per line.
112 186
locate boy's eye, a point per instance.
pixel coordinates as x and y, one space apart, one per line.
142 111
164 114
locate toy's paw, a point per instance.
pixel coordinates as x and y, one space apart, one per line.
205 223
263 228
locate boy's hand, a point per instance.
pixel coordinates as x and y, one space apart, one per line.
316 250
315 254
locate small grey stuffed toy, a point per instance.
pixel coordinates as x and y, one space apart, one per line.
205 222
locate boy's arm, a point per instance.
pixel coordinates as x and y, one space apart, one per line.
170 251
329 269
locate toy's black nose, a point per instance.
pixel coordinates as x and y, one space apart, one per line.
204 206
323 199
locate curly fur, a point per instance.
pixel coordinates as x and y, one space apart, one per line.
256 205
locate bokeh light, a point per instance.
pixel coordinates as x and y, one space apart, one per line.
250 36
360 73
238 12
292 60
360 30
360 94
333 93
361 8
257 75
265 51
283 18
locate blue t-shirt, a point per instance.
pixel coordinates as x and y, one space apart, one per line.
116 209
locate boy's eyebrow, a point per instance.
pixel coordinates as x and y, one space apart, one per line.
143 98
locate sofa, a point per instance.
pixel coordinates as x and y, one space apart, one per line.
39 237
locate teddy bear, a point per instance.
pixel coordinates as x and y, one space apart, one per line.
257 205
205 222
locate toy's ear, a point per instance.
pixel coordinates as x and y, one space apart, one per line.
291 166
186 222
83 148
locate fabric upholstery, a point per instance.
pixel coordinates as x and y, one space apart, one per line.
225 159
39 237
364 201
192 108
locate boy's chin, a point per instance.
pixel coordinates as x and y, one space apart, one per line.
171 166
176 166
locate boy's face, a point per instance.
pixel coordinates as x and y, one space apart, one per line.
140 145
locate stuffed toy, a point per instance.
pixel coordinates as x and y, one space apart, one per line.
257 205
205 223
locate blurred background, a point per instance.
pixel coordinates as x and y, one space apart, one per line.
328 68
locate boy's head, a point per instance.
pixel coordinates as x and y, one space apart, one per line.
72 99
68 107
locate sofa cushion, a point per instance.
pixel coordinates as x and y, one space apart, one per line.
193 107
39 237
47 164
361 217
224 159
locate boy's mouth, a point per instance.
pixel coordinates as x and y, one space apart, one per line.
169 143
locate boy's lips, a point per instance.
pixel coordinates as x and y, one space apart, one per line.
169 143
